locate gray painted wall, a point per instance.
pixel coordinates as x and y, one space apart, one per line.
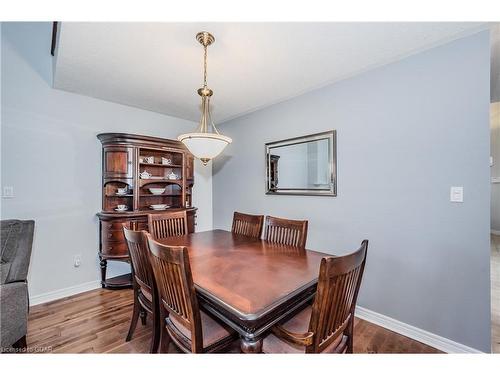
52 158
495 126
406 132
495 168
495 63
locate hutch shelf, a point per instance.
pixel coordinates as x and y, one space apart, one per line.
133 168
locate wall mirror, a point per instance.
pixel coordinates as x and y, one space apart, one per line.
303 165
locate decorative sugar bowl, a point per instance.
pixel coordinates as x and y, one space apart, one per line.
122 191
145 175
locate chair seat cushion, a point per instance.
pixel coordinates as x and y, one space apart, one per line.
213 332
298 324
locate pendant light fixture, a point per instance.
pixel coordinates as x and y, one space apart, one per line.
206 142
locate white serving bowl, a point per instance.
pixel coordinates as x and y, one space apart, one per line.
157 191
159 206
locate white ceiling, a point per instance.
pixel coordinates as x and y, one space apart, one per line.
158 66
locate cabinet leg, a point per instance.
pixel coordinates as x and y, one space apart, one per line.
251 346
104 265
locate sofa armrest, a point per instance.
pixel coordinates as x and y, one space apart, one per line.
13 312
20 263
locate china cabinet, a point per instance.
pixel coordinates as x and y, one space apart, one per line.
140 175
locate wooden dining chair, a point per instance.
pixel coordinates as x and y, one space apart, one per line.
286 231
247 225
145 292
169 224
326 326
191 329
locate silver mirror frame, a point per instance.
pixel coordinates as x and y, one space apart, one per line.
331 135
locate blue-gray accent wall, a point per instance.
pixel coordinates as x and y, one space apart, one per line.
406 133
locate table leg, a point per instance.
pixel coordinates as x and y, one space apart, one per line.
251 346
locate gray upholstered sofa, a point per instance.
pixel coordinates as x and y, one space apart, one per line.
16 241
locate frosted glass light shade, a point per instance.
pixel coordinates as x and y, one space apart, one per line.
204 146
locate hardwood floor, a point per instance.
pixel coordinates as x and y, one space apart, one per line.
495 294
98 321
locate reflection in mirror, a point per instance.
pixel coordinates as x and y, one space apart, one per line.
304 165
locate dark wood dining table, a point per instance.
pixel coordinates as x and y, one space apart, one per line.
248 283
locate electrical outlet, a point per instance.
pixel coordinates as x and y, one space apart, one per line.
77 261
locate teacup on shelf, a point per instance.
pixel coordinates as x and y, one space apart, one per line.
121 207
149 159
166 161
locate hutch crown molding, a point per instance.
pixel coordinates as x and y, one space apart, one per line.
132 165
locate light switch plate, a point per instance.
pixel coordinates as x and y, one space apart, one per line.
8 192
457 194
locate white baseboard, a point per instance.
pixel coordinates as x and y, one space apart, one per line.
66 292
428 338
495 232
